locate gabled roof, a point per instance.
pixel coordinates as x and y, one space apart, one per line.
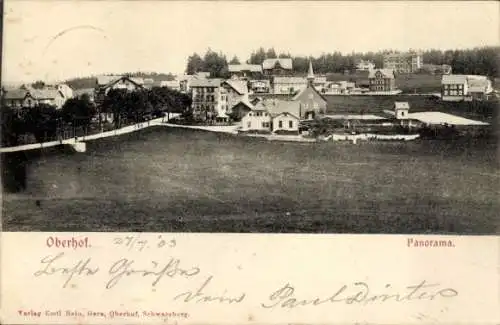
79 92
259 107
277 107
106 81
244 67
453 79
170 83
479 85
290 80
386 73
245 103
296 97
202 82
401 105
284 63
45 93
15 94
240 86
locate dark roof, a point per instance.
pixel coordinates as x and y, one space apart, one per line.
15 94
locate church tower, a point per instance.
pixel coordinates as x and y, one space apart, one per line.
310 75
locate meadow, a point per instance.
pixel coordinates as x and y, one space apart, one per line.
165 179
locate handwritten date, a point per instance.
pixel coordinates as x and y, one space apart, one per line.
134 242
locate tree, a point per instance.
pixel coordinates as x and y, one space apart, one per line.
78 111
194 64
271 54
41 121
114 103
38 84
234 60
12 126
258 56
215 63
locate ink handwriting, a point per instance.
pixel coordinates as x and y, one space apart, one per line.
358 293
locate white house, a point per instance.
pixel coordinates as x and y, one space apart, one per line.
288 85
257 119
233 92
32 97
365 65
260 86
65 90
401 110
172 84
106 83
276 67
208 97
457 87
285 122
285 115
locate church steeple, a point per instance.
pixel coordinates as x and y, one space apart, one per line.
310 75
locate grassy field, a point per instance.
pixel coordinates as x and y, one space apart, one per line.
377 104
165 179
421 83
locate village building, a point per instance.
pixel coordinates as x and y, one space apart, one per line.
456 87
288 85
312 102
408 62
365 65
437 68
19 98
106 83
171 84
65 90
245 71
270 115
202 74
382 80
90 92
479 88
285 116
206 97
235 91
259 86
277 67
256 119
401 110
339 88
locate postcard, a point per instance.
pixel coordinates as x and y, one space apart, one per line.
250 162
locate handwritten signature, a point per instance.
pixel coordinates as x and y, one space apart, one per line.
358 293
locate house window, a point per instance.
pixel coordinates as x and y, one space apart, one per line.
280 124
249 124
290 124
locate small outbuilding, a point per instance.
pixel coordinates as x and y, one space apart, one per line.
401 110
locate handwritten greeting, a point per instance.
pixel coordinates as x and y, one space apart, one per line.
206 288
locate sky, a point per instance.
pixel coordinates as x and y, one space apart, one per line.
54 40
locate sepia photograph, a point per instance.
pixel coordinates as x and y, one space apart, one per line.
251 117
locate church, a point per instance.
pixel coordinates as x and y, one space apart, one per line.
313 104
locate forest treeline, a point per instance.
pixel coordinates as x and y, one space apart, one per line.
480 60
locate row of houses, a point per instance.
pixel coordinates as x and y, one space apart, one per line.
223 100
27 96
457 87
